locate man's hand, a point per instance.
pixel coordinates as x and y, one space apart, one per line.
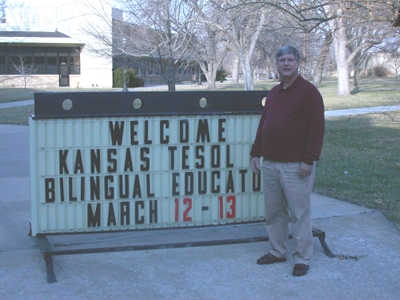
305 170
255 164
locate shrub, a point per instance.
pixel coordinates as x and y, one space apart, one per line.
217 78
131 79
380 71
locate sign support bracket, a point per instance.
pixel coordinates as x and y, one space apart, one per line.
48 251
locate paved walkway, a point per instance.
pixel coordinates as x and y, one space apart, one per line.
358 111
16 103
211 272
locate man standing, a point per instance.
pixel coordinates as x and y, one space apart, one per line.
289 138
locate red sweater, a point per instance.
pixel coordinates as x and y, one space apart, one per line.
292 124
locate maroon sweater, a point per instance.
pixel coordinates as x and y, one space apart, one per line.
292 124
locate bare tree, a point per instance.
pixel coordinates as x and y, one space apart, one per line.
24 68
153 34
391 52
210 53
241 34
360 40
207 47
159 29
238 30
167 32
272 37
321 59
339 15
3 6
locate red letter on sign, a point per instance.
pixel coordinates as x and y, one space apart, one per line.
188 203
229 214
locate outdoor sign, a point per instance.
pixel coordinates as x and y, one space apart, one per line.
141 160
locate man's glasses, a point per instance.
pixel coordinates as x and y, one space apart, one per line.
284 60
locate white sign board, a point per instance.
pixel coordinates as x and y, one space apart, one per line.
139 172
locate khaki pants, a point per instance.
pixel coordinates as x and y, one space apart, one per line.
287 198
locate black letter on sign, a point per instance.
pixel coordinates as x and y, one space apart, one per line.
221 130
146 133
185 157
134 133
215 156
61 189
175 184
94 160
111 215
113 162
82 188
117 132
153 211
215 175
49 188
148 186
123 186
125 213
200 157
94 219
108 191
146 161
171 150
78 163
137 219
256 182
184 131
189 182
203 132
71 189
94 187
164 138
128 161
202 182
137 191
63 164
230 187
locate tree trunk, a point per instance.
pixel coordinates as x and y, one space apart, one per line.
210 77
247 74
356 72
235 70
340 40
319 67
256 73
171 79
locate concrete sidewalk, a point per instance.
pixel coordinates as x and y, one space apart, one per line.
211 272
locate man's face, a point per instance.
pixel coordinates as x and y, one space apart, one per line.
288 66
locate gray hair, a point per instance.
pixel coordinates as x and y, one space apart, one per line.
287 50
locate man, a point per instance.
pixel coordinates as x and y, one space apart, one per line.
289 138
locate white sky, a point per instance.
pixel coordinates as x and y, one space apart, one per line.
38 2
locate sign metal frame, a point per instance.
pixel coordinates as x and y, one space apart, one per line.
58 161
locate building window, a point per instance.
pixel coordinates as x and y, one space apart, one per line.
14 65
75 63
38 60
3 66
51 63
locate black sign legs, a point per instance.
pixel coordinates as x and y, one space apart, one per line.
321 236
45 250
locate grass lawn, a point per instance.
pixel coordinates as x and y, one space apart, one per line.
360 161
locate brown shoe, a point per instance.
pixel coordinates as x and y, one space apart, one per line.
300 270
268 259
